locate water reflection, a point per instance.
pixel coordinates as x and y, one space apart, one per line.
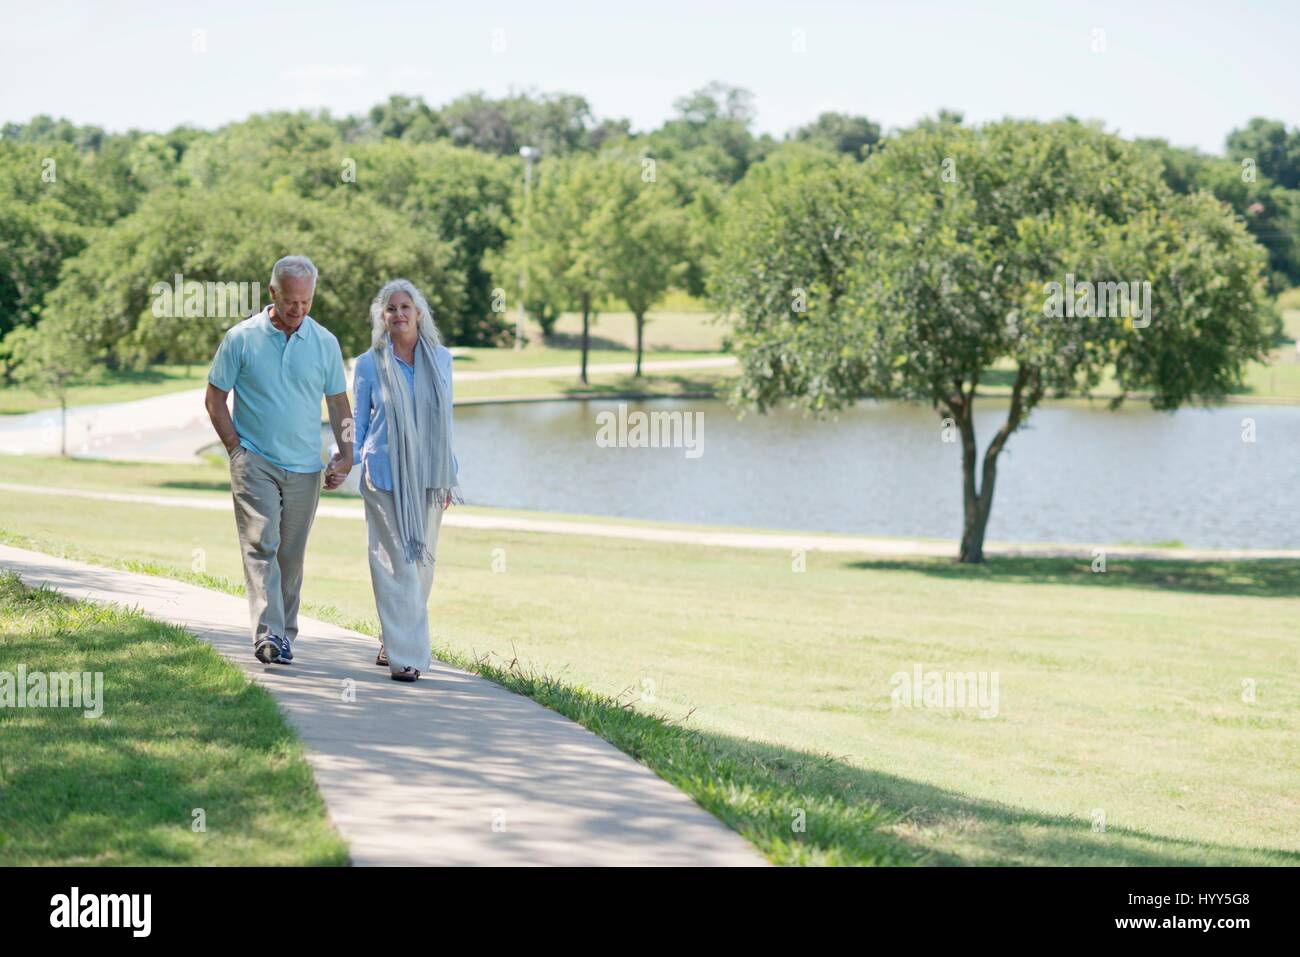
1076 474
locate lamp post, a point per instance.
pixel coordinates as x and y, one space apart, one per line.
529 153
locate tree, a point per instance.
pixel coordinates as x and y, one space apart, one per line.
404 117
1272 147
109 294
51 200
556 123
50 360
642 238
790 239
1270 212
558 243
460 195
465 197
851 135
929 265
711 134
300 153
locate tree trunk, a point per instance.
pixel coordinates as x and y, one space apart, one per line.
972 535
586 326
63 431
977 520
640 327
978 502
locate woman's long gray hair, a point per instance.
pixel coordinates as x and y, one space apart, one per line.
424 322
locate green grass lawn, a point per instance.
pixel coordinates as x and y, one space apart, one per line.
669 329
1277 380
181 730
681 334
667 384
119 386
678 332
1274 381
764 692
537 356
669 336
157 380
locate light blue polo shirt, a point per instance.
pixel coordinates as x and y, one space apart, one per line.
278 382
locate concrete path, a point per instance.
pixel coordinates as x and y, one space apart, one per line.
174 426
161 428
451 770
604 368
776 541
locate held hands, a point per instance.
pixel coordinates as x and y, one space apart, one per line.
337 471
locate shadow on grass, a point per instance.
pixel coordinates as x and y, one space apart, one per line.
573 340
181 730
998 378
197 486
669 386
152 375
851 815
1256 578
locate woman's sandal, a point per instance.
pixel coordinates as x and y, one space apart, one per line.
406 674
382 659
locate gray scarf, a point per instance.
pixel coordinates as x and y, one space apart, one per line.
419 442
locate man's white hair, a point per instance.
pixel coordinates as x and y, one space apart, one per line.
424 320
299 266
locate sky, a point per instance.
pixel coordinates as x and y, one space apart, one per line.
1185 71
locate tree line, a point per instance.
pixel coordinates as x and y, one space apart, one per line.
849 263
91 219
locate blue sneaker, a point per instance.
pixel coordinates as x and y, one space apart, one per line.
286 651
268 650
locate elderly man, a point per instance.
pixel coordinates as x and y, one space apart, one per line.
279 362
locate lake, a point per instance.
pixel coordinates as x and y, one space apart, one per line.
1077 473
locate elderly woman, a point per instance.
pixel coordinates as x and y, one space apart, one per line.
402 406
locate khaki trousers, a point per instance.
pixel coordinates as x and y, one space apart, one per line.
274 509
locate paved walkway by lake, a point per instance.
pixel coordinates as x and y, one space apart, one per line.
451 770
174 427
685 535
604 368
